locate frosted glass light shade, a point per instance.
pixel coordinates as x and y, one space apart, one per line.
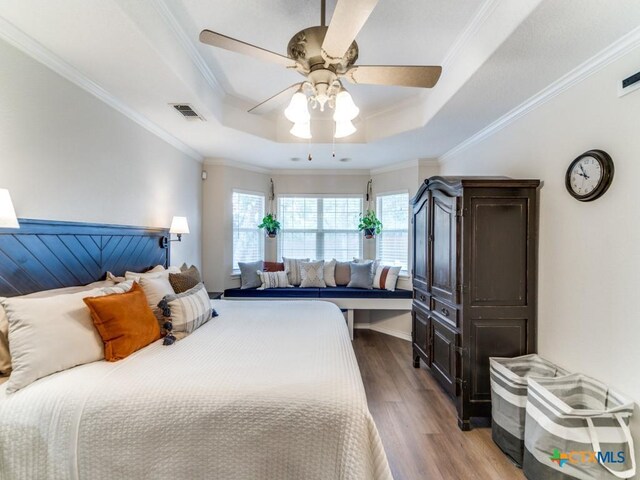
301 129
8 217
179 225
344 129
346 109
298 109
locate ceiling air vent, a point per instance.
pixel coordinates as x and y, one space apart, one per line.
187 111
629 84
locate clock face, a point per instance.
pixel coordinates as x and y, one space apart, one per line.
590 175
585 176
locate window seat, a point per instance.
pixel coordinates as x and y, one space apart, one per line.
348 299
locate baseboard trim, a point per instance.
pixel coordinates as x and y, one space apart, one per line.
388 331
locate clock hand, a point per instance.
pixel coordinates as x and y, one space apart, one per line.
584 174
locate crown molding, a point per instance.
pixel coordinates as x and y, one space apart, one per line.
481 15
319 171
223 162
616 50
38 52
187 45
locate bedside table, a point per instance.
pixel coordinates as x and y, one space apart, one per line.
215 295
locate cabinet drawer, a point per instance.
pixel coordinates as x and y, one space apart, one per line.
421 298
445 312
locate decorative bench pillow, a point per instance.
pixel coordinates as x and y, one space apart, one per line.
361 275
342 275
386 277
185 312
273 280
273 266
249 274
330 273
312 274
292 267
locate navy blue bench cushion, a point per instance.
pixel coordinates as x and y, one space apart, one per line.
272 293
346 292
329 292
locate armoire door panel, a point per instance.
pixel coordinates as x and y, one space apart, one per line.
444 248
422 334
504 337
499 252
420 245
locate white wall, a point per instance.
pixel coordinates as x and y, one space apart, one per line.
65 155
589 252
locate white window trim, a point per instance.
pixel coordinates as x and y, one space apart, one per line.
235 272
403 273
318 195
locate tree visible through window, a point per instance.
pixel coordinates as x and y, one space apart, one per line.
393 243
248 239
320 228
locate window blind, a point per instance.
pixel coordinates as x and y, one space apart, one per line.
393 243
248 239
320 228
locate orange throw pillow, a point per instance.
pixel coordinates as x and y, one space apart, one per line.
124 321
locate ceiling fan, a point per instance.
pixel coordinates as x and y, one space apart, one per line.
324 55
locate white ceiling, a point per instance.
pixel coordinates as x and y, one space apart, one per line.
495 55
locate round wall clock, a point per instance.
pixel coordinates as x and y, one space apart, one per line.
589 175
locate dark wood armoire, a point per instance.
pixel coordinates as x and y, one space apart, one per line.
475 243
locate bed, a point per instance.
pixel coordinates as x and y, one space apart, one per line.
266 390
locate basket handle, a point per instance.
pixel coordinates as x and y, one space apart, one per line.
627 433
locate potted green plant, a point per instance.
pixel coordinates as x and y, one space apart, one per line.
270 224
369 224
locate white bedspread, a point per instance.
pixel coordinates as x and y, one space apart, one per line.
267 390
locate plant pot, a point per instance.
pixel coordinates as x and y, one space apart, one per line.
271 234
369 233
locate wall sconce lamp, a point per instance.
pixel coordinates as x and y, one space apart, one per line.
179 226
8 217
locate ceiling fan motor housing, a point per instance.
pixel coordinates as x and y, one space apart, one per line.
305 47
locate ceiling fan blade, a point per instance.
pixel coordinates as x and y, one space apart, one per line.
348 19
400 75
272 102
233 45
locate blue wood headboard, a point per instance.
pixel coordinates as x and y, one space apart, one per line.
44 254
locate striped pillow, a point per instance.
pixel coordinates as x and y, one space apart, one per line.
386 277
273 280
292 267
188 311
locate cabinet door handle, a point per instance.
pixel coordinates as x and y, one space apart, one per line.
444 311
423 298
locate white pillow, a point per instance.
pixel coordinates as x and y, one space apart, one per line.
155 272
273 280
330 273
312 274
5 356
386 277
48 335
155 289
292 267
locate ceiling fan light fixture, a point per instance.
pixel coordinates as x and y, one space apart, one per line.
344 128
301 130
298 109
345 109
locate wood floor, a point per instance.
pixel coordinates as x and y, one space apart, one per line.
417 421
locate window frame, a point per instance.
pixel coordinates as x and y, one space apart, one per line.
403 273
236 271
320 196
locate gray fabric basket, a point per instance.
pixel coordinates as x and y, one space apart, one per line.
576 427
509 380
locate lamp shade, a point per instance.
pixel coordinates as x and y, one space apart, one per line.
345 109
8 217
344 129
301 130
179 225
298 109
